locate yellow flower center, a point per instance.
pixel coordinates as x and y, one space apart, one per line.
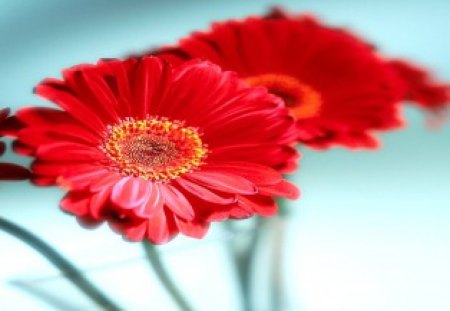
302 100
154 149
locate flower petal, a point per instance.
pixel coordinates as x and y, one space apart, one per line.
263 206
223 182
258 174
283 189
203 193
154 202
192 228
158 227
13 172
177 202
76 203
129 192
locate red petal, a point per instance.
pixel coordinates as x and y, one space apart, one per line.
260 205
98 202
283 189
68 152
116 77
42 116
223 182
81 177
23 149
150 83
76 203
105 181
258 174
177 202
158 230
240 212
204 193
90 89
10 126
43 181
13 172
57 92
135 233
421 86
192 228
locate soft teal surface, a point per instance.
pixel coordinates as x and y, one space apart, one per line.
372 230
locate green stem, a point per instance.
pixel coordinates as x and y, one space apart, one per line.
158 267
67 269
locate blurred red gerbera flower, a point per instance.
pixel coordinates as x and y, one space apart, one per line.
156 150
420 87
333 83
9 171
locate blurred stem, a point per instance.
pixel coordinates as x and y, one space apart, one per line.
158 267
67 269
277 259
276 276
243 260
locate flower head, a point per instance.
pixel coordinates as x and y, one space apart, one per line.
9 171
155 150
333 83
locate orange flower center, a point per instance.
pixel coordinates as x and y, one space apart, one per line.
302 100
154 149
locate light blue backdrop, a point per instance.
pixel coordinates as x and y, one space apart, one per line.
372 230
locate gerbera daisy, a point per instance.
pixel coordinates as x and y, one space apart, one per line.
9 171
333 83
155 150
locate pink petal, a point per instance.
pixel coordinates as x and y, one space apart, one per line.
154 202
157 227
177 202
203 193
104 181
129 192
223 182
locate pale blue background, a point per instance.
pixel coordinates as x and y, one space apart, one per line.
372 230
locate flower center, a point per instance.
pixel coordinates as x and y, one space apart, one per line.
302 100
154 149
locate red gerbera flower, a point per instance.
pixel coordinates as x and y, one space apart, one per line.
332 82
418 85
156 150
9 171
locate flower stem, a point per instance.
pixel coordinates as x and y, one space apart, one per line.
278 228
67 269
276 279
243 259
158 267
